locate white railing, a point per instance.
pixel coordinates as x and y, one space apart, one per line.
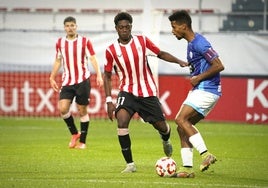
101 20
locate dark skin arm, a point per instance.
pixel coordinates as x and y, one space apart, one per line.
108 88
170 58
216 67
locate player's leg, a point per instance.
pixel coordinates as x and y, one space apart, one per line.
66 98
84 125
187 130
196 107
125 109
150 110
186 170
82 100
64 106
164 131
123 119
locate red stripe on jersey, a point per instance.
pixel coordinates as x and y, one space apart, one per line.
150 45
58 48
75 61
90 48
67 60
109 58
58 52
83 53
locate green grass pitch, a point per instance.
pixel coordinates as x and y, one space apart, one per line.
34 153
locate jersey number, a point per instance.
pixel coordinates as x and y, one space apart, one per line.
120 101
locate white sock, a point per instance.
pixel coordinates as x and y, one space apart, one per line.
198 142
187 156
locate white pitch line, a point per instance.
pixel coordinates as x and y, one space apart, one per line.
179 183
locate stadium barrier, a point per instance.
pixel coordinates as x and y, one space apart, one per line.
29 94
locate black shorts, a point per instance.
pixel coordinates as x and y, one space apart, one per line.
80 91
148 108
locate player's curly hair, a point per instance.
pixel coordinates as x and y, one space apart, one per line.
122 16
181 17
69 19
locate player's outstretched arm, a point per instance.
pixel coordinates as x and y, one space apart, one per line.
170 58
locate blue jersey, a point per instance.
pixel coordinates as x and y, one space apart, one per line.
199 54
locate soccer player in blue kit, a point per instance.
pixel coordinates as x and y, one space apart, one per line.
205 67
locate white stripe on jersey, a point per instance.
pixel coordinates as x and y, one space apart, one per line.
71 62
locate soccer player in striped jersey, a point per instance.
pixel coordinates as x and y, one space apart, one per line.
138 91
73 53
205 67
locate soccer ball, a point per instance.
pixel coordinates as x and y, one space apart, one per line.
165 167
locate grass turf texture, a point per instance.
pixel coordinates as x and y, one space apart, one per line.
35 153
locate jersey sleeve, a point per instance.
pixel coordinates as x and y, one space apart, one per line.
90 48
108 66
210 54
151 46
58 49
205 48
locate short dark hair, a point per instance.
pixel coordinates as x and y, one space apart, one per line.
122 16
69 19
181 17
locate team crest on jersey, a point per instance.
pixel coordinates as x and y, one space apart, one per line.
191 55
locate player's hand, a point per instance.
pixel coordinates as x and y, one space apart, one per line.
184 64
194 80
54 85
110 110
99 81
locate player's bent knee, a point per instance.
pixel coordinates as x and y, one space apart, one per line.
122 131
162 127
166 130
84 118
65 115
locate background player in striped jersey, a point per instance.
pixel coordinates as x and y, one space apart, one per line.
73 53
205 68
138 92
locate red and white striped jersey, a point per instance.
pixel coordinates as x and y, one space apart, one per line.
131 65
75 56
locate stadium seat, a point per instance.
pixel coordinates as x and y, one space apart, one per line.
44 10
3 9
90 11
246 15
248 5
66 10
205 11
21 10
111 11
135 11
